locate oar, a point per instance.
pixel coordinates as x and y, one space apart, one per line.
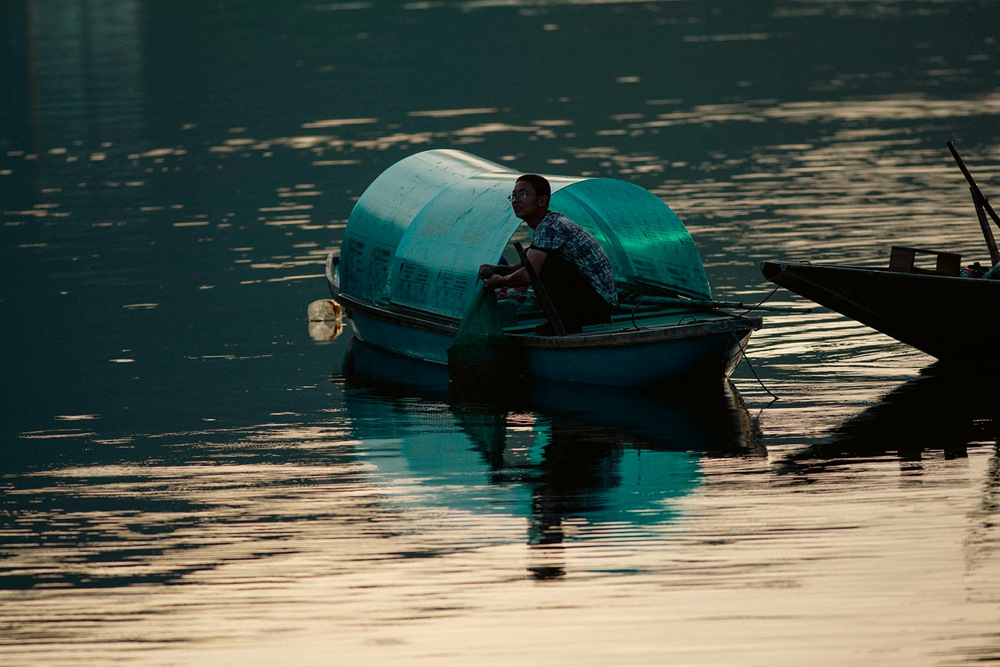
659 301
982 206
543 296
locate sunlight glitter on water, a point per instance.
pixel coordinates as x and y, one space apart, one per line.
464 587
189 478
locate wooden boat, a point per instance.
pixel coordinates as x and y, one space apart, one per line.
406 276
947 316
938 308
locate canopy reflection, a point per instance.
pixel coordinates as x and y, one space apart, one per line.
576 461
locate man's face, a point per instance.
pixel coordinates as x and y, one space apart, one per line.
525 202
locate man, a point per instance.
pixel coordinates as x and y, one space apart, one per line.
571 265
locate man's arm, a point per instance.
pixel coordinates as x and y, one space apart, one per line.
514 276
487 270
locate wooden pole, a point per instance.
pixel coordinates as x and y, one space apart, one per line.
982 206
543 296
987 232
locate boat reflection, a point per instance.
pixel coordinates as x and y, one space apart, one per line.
578 462
940 411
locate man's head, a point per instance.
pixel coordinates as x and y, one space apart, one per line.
530 198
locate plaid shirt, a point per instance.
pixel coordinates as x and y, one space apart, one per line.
558 234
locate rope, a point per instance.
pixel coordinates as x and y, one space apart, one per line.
743 350
753 370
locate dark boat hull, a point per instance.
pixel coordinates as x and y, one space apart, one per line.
950 318
662 350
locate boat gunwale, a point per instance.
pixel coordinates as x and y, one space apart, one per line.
783 266
708 324
700 323
401 315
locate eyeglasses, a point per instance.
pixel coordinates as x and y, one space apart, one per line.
520 195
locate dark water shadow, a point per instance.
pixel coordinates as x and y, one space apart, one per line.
940 411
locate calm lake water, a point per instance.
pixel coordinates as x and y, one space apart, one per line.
190 476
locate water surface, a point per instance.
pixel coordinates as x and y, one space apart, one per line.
189 477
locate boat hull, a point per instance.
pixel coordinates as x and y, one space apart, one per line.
950 318
656 350
412 336
707 349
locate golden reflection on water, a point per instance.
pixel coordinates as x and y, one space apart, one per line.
385 534
847 524
276 561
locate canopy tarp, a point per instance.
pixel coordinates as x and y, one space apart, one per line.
419 232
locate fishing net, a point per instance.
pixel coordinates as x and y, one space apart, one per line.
480 349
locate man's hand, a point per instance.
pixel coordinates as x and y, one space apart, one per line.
495 281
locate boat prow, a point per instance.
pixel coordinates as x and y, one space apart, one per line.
949 317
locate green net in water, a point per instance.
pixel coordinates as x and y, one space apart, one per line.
480 349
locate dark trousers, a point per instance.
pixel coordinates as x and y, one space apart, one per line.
574 298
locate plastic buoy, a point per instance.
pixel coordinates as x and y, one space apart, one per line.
325 310
325 319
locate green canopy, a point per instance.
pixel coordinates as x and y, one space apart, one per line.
419 232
